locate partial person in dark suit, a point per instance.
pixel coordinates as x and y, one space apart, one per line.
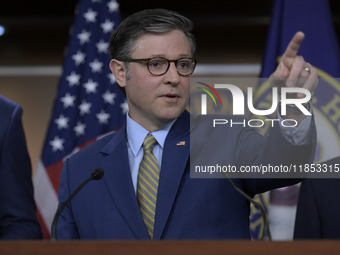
17 207
318 209
152 60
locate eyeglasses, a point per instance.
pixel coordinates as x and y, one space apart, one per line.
158 65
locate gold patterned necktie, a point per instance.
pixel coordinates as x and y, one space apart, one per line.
147 184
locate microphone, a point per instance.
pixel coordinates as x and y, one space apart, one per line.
266 231
96 174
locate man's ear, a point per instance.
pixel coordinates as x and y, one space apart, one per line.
118 69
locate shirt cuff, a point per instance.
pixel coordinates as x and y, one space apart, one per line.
297 135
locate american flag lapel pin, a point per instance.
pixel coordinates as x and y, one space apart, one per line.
180 143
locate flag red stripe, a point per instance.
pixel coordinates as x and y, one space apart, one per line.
45 230
54 172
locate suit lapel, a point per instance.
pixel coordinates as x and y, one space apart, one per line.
119 184
175 158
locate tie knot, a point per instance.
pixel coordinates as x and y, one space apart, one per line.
149 142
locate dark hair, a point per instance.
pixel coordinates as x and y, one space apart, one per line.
150 21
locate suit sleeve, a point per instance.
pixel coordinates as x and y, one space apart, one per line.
66 226
17 207
273 150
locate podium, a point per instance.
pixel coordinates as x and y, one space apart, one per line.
169 247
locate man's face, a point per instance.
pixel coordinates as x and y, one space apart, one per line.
156 100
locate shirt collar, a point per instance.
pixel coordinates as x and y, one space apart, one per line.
136 134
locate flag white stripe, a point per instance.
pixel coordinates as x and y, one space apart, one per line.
44 195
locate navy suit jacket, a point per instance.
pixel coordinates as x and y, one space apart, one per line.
318 210
17 207
187 208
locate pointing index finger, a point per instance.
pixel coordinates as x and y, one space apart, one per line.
292 49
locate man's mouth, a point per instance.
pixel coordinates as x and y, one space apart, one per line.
171 96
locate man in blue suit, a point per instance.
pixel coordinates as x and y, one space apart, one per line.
152 60
17 207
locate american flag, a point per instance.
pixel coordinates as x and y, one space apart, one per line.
88 103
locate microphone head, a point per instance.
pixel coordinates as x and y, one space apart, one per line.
97 174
